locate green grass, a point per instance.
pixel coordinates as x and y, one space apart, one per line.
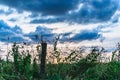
22 68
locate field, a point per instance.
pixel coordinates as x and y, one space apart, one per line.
72 67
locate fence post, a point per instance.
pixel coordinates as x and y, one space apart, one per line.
43 59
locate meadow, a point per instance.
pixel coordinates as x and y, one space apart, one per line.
72 67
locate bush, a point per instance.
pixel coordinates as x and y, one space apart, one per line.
104 71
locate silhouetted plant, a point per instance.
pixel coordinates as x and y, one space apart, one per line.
94 54
116 53
56 53
75 56
73 67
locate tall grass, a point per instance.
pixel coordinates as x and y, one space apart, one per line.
72 67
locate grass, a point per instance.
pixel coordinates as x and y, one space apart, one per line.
23 68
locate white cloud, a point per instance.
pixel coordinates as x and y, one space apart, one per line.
111 37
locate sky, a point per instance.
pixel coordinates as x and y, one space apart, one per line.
78 22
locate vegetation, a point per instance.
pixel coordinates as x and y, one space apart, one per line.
72 67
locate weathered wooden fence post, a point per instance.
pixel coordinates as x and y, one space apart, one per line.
43 59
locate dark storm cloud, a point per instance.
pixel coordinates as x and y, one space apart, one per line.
1 11
33 15
43 31
95 11
15 34
45 7
115 18
48 21
91 10
12 19
65 37
8 12
6 31
86 35
83 35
